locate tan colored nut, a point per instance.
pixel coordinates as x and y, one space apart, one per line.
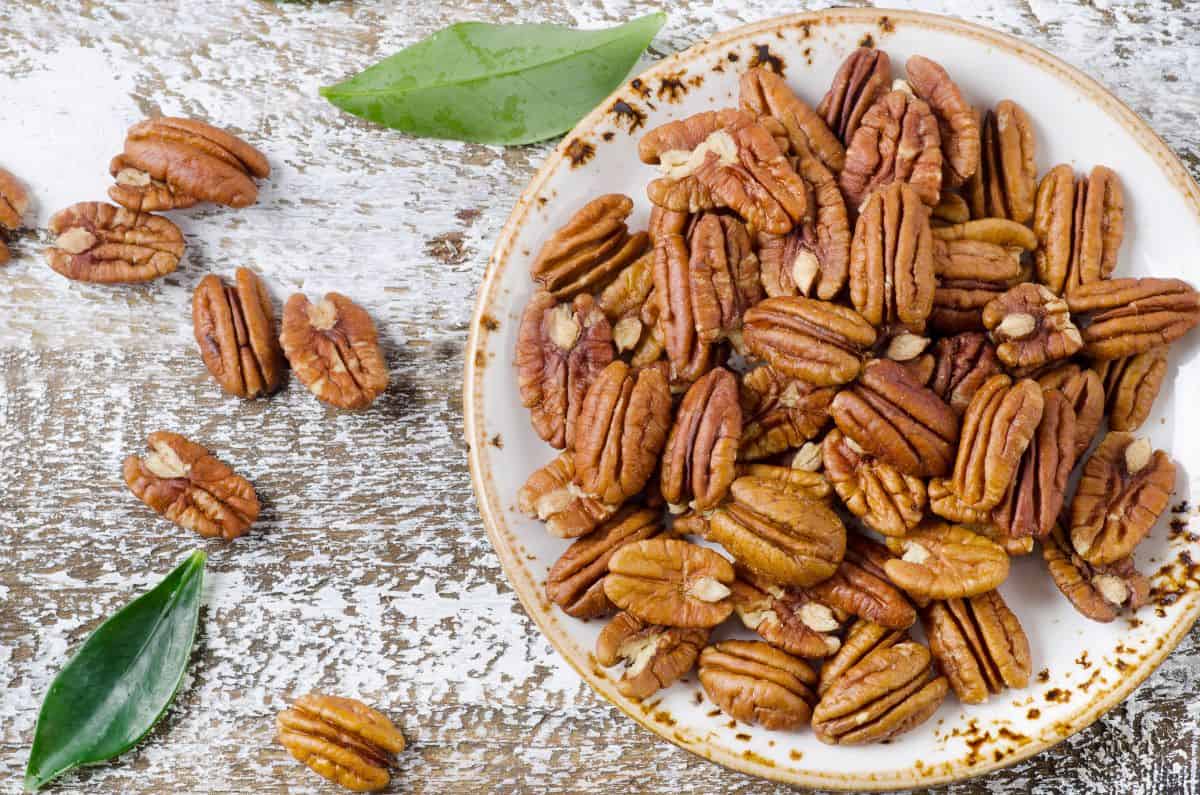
802 478
655 657
765 93
1131 316
333 348
1083 388
1079 226
963 363
96 242
998 425
780 412
908 347
340 739
723 277
818 342
863 77
967 260
897 420
1124 489
885 499
891 259
951 209
590 249
185 483
858 588
945 561
1015 546
1098 592
623 298
787 618
699 461
944 502
898 141
754 683
957 120
689 354
1035 498
550 494
667 222
862 638
235 329
997 231
958 305
979 645
1006 183
890 691
576 580
769 529
1031 327
670 582
1130 386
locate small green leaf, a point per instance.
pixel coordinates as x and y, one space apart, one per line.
496 84
121 681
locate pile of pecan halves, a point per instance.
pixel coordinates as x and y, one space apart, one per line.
871 318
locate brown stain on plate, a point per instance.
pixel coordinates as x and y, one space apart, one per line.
672 87
629 115
768 60
579 152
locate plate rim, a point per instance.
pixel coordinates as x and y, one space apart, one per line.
491 510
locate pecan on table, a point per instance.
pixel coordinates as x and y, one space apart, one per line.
897 420
897 141
690 355
1125 487
765 93
863 77
802 477
550 494
1130 387
755 683
333 348
576 580
1131 316
962 364
186 483
340 739
780 412
861 639
944 502
788 618
884 498
172 163
1079 226
97 242
979 645
622 428
723 277
860 588
998 425
1005 186
561 350
1083 388
655 656
699 461
14 203
945 561
816 341
1031 327
235 329
891 260
1098 592
670 582
590 249
1035 497
958 122
623 302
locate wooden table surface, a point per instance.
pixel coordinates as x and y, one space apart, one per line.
369 574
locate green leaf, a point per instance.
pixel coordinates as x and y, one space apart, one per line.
496 84
121 681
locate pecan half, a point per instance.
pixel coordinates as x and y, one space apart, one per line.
998 425
885 499
333 348
1035 497
765 93
780 412
623 300
670 582
188 485
857 588
957 121
979 645
952 208
997 231
754 683
550 494
1124 489
1131 385
958 305
788 618
863 638
171 163
96 242
340 739
891 260
590 249
1131 316
1005 185
944 502
1031 327
235 329
689 354
968 260
1084 389
14 203
576 580
898 141
1098 592
863 77
699 461
1079 226
668 222
818 342
655 656
945 561
801 477
722 276
963 363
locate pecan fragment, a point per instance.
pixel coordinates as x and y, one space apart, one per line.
550 494
1035 497
576 580
1079 226
235 329
863 637
885 499
780 412
96 242
754 683
998 425
963 363
979 644
898 141
787 618
670 582
818 342
957 121
1006 183
891 260
862 78
14 203
623 302
1083 388
334 350
590 249
698 463
1098 592
188 485
1130 386
340 739
765 93
945 561
1131 316
655 656
1031 327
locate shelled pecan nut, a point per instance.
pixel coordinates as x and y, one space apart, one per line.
1005 186
689 354
550 494
340 739
1083 388
787 618
97 242
1015 546
863 638
1098 592
235 329
655 656
670 582
576 580
997 231
952 208
967 260
1034 499
897 141
998 425
891 259
962 364
945 561
780 412
1031 327
944 502
754 683
856 588
1130 387
723 276
885 499
765 93
801 477
333 348
863 77
623 300
958 305
590 249
1079 226
979 645
699 461
186 483
816 341
14 203
1131 316
957 121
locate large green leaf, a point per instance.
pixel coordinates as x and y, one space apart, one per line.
496 84
121 681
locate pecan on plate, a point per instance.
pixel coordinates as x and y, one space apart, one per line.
668 222
816 341
1015 546
802 476
768 528
909 350
958 305
945 503
891 260
779 412
235 329
1124 489
755 683
670 582
1130 387
1035 497
1083 387
690 355
722 277
979 645
962 364
945 561
14 203
333 348
725 158
622 428
863 77
967 260
576 580
1098 592
998 425
898 141
884 498
561 350
863 638
655 656
340 739
897 420
1005 185
590 249
765 93
890 691
958 122
623 302
1079 225
860 588
188 485
1131 316
952 208
550 494
97 242
788 618
171 163
1031 327
700 457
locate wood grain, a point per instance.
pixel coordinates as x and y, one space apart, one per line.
369 574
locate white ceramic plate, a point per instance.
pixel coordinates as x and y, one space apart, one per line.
1085 668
